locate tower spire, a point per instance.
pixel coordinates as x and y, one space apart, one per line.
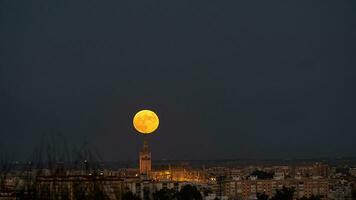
145 146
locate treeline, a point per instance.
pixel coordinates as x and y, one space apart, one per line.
188 192
284 194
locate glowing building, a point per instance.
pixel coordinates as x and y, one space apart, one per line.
145 160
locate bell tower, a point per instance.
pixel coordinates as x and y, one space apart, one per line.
145 159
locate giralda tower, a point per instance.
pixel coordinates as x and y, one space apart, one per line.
145 159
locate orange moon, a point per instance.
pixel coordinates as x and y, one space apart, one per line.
146 121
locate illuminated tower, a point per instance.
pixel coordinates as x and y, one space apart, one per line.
145 159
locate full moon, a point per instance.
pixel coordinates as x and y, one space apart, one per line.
146 121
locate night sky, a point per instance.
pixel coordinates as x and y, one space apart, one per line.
229 79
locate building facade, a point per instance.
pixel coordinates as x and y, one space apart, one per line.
248 189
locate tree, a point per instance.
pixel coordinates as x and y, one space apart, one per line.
130 196
311 198
97 194
164 194
146 194
262 174
189 192
207 191
353 194
262 196
284 194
